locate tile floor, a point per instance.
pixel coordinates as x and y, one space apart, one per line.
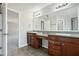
29 51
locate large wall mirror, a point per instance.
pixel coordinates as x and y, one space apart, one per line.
62 20
65 20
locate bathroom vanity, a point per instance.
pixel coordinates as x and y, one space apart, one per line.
58 45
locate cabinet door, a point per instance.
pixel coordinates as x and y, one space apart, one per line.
28 39
36 42
70 49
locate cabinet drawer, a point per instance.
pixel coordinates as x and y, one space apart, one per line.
55 47
57 43
56 52
54 37
54 42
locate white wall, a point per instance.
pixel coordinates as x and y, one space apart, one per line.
25 26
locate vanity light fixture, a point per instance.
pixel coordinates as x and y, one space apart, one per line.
60 6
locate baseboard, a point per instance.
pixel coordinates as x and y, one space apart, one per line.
22 45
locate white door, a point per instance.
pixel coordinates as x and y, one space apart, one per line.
13 32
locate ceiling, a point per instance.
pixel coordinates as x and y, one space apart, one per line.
29 6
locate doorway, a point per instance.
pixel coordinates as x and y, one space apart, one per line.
13 31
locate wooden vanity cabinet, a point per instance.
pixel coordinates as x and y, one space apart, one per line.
64 46
29 38
36 42
70 47
57 45
33 40
54 46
